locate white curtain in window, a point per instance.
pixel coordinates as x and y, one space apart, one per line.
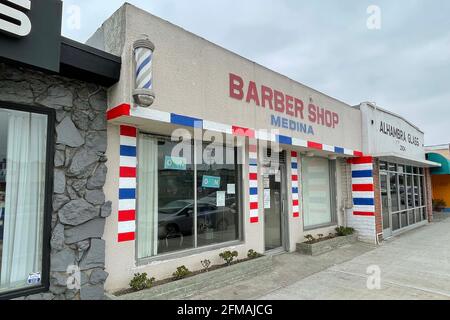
24 203
316 192
148 197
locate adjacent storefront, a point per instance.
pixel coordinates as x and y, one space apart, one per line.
403 200
440 177
52 163
401 171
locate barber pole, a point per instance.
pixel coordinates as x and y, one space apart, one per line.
143 59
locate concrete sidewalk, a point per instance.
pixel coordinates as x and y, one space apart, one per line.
415 265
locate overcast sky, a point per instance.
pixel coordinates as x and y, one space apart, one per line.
325 44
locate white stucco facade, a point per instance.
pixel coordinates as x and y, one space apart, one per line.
197 79
387 133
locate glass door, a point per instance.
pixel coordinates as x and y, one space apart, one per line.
272 212
386 205
275 217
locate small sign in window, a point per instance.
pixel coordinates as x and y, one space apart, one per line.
211 182
34 279
175 163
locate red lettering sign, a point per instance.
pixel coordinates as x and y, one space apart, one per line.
252 94
280 102
267 97
236 87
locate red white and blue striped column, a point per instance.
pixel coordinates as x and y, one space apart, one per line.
363 187
127 184
295 184
253 180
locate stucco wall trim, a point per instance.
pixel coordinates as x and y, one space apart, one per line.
118 114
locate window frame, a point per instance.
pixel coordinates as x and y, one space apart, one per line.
48 206
196 250
332 167
416 173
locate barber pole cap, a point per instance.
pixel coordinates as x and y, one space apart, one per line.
143 55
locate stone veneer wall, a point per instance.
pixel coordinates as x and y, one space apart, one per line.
79 207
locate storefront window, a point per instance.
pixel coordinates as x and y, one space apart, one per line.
418 214
166 198
411 217
402 189
407 201
317 190
23 169
395 221
217 206
404 219
182 206
392 167
394 192
409 191
417 191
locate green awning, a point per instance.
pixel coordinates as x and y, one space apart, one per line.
445 163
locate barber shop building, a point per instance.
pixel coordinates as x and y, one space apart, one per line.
149 148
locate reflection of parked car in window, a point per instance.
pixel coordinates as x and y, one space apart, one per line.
212 217
178 218
175 217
